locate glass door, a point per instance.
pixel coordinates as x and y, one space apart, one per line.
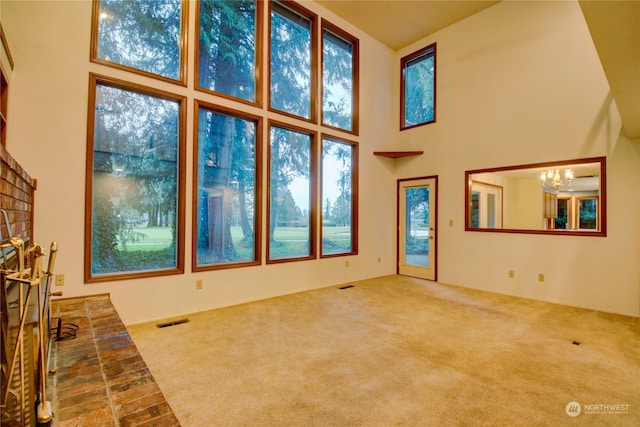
417 227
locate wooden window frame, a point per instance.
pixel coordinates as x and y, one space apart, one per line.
265 120
354 194
327 26
569 201
94 81
313 191
430 50
576 222
314 71
4 101
484 186
4 85
258 64
257 220
183 47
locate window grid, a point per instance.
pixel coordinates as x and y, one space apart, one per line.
205 98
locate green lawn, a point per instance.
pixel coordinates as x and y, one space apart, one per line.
150 239
291 241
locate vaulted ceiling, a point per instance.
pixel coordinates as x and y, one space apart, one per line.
614 27
401 22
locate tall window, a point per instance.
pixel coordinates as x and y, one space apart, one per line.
292 60
143 36
135 170
135 200
227 51
339 78
339 197
291 194
227 183
418 88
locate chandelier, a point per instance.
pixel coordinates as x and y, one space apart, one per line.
552 178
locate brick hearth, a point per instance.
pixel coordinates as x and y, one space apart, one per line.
99 378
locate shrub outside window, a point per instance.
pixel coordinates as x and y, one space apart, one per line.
339 197
227 189
141 36
418 88
135 170
291 194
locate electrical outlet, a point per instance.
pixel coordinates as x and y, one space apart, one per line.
59 279
450 223
540 277
512 274
379 259
198 284
346 263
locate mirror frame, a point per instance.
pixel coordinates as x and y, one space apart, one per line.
602 232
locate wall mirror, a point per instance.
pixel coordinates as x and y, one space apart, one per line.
563 198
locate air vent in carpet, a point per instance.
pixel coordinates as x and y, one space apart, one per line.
172 323
576 343
346 287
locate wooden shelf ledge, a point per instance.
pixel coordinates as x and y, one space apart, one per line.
397 154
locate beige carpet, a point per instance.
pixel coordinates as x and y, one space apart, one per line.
397 351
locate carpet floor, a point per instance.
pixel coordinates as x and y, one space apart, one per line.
397 351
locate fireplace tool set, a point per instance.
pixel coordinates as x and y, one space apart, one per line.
28 280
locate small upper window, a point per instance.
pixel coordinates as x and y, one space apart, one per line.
418 88
141 36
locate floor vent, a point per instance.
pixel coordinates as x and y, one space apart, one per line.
172 323
576 343
346 287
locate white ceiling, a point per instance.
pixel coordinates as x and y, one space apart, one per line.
401 22
614 27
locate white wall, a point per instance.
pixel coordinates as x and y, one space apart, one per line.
521 83
50 41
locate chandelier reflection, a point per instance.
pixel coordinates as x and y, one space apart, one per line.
553 179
